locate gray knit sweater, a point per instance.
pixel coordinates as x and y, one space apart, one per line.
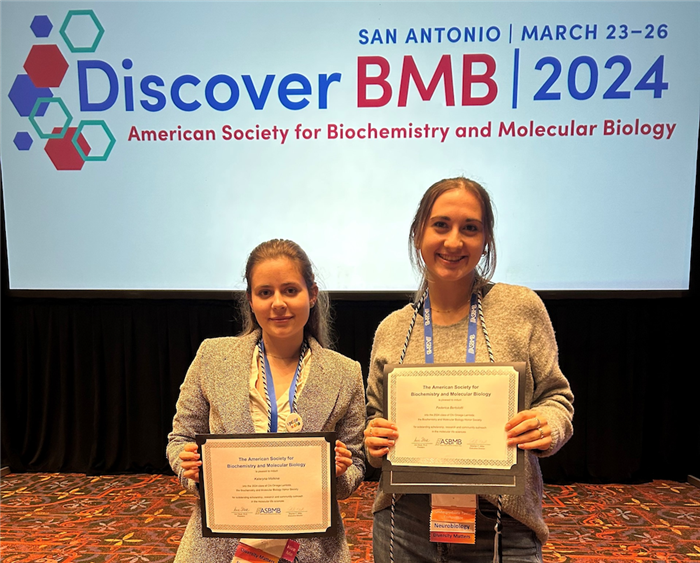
519 330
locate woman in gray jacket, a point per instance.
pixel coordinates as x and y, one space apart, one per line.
286 333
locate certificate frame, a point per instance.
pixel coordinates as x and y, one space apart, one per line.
264 473
429 474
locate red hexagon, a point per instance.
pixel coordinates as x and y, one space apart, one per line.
46 66
62 152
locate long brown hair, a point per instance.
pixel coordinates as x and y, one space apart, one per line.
487 264
318 324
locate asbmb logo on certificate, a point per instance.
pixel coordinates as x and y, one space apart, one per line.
68 146
448 442
270 510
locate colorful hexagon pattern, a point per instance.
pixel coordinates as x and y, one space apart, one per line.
24 95
88 41
46 66
23 141
41 26
62 151
67 147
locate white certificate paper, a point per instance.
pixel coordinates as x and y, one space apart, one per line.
452 416
268 485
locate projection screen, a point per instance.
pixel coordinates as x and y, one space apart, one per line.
152 145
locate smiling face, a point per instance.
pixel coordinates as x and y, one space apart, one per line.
453 240
280 300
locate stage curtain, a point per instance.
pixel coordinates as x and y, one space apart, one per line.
90 385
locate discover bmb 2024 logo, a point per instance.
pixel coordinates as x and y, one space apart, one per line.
68 147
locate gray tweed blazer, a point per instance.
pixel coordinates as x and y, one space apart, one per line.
214 398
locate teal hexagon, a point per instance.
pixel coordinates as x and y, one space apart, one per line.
99 123
36 126
100 31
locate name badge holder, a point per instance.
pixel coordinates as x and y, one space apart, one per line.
294 421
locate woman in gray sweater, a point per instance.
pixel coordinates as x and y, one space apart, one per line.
453 246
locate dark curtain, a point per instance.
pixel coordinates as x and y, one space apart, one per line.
90 385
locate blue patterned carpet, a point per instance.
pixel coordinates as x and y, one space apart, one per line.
62 518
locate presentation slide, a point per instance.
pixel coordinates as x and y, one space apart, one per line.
152 145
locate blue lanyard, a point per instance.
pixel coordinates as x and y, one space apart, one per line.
270 385
471 331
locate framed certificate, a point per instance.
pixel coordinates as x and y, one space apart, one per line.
268 485
451 420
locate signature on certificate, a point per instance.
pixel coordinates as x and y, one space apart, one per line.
478 444
421 442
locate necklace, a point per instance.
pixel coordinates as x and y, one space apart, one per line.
462 307
282 357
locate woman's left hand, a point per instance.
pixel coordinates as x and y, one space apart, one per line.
529 431
343 458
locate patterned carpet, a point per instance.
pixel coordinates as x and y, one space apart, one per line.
66 518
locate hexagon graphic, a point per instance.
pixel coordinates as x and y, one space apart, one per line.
46 66
41 26
24 95
23 141
105 131
62 151
37 127
86 34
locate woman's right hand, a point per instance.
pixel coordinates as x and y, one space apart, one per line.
380 435
190 461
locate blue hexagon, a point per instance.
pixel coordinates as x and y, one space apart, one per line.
24 95
82 44
41 26
23 140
